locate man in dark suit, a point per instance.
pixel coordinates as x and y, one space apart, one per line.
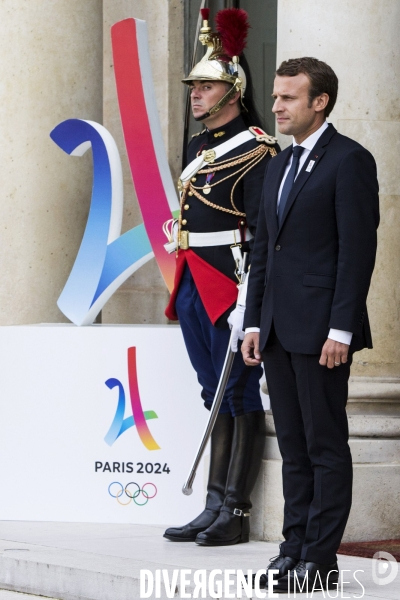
306 311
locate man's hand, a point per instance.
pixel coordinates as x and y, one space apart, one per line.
333 354
251 349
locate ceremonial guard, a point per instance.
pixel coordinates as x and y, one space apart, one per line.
220 192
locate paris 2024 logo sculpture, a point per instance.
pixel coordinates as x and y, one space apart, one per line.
106 258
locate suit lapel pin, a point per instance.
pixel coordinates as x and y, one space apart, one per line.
310 166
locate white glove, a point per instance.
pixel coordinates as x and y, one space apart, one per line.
170 229
235 321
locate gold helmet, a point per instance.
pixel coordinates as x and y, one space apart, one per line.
221 60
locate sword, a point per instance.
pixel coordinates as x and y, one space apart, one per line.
219 394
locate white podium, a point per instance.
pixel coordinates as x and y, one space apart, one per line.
69 449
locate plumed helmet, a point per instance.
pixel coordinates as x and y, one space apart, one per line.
224 47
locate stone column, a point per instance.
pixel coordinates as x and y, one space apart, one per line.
51 70
142 299
359 40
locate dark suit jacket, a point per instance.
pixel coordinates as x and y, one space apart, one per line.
313 272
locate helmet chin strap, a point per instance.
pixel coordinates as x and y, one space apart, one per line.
224 100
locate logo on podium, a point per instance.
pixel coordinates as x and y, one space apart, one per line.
139 417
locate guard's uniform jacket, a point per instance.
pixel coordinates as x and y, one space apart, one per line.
236 189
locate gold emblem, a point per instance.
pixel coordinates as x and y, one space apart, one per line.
219 134
209 156
184 240
206 189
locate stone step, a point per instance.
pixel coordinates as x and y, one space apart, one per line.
88 561
7 595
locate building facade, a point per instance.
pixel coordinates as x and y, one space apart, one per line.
57 64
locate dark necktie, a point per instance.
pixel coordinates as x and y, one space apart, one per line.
289 181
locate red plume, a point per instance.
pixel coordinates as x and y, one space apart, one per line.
205 13
232 26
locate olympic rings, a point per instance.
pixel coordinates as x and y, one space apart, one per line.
155 489
142 503
131 496
115 483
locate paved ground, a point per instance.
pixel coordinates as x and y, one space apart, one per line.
70 561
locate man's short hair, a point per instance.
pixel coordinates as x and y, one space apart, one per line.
322 77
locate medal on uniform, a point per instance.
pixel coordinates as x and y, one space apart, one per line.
207 187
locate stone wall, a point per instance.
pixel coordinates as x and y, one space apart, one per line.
54 68
51 70
359 40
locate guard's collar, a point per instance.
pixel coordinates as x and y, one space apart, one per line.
223 133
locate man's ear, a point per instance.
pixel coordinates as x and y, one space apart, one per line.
235 98
321 102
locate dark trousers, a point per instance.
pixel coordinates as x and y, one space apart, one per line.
308 403
207 346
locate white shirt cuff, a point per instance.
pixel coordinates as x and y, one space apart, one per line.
344 337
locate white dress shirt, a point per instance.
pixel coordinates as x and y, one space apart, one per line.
308 144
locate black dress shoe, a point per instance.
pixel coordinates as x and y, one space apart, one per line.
309 576
281 563
189 532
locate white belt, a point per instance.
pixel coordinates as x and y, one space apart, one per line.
216 238
201 240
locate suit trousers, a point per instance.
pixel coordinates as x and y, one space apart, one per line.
207 346
308 402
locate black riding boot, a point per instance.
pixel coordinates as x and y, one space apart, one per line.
232 526
221 444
